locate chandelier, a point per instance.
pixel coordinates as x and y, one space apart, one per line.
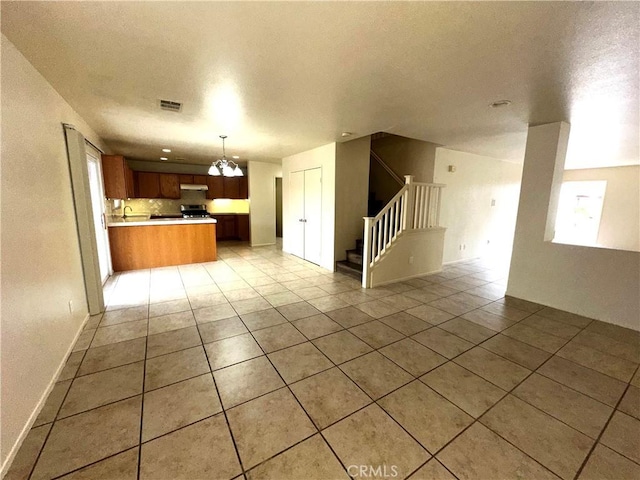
229 168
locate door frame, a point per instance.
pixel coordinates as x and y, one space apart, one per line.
96 155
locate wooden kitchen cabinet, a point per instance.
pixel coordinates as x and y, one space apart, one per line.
216 187
148 185
244 187
200 179
118 177
169 185
242 226
231 187
232 227
188 179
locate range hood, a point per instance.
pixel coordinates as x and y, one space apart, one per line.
193 187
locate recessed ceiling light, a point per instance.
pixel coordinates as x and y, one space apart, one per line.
500 103
236 157
164 158
346 134
166 150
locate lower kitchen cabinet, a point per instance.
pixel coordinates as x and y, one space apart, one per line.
232 227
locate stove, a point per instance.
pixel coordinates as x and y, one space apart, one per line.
194 211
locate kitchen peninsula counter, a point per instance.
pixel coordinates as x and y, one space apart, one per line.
143 243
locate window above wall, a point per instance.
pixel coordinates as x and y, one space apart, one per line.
579 212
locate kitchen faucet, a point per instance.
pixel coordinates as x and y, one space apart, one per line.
124 215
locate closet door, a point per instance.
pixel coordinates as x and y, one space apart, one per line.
313 215
296 213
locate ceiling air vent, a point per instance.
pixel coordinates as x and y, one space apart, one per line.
171 106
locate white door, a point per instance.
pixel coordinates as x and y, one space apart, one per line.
296 213
97 203
313 215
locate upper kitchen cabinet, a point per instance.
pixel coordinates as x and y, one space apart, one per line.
118 177
216 187
169 185
231 187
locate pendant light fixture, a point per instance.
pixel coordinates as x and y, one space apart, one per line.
228 168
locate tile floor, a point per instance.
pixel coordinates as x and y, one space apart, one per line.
262 366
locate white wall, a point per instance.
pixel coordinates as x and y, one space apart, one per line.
620 221
41 267
466 209
352 193
262 200
325 158
594 282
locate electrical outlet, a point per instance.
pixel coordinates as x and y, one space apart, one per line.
411 260
70 307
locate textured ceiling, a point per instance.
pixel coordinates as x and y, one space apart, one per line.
280 78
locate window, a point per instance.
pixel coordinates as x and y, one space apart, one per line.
579 212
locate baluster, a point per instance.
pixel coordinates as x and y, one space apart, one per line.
385 217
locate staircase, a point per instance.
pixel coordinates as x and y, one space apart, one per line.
353 264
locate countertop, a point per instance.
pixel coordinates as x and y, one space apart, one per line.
137 222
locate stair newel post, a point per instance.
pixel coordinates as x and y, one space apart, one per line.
366 252
409 207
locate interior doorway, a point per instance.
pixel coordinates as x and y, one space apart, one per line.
305 212
278 207
96 189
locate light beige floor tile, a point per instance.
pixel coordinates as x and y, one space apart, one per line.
211 314
387 444
173 367
509 313
354 297
282 298
520 304
349 316
444 343
554 327
535 338
53 403
97 389
481 454
401 301
488 320
177 405
615 332
611 346
311 459
623 435
468 391
84 340
605 464
262 319
596 385
316 326
309 293
341 346
328 303
221 329
571 407
429 417
232 350
636 379
123 466
274 287
518 352
452 306
630 403
241 294
91 436
497 370
467 330
376 334
421 295
412 356
432 470
93 322
173 456
71 367
489 291
278 337
558 447
565 317
172 341
113 355
439 290
430 314
615 367
377 308
329 396
247 380
335 288
300 361
405 323
28 454
296 311
267 425
165 308
172 321
119 333
207 300
375 374
125 315
251 305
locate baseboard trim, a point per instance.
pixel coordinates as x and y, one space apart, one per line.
262 244
409 277
462 260
43 398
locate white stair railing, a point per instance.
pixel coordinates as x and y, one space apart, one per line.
415 207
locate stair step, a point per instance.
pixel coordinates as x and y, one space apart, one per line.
355 256
349 268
